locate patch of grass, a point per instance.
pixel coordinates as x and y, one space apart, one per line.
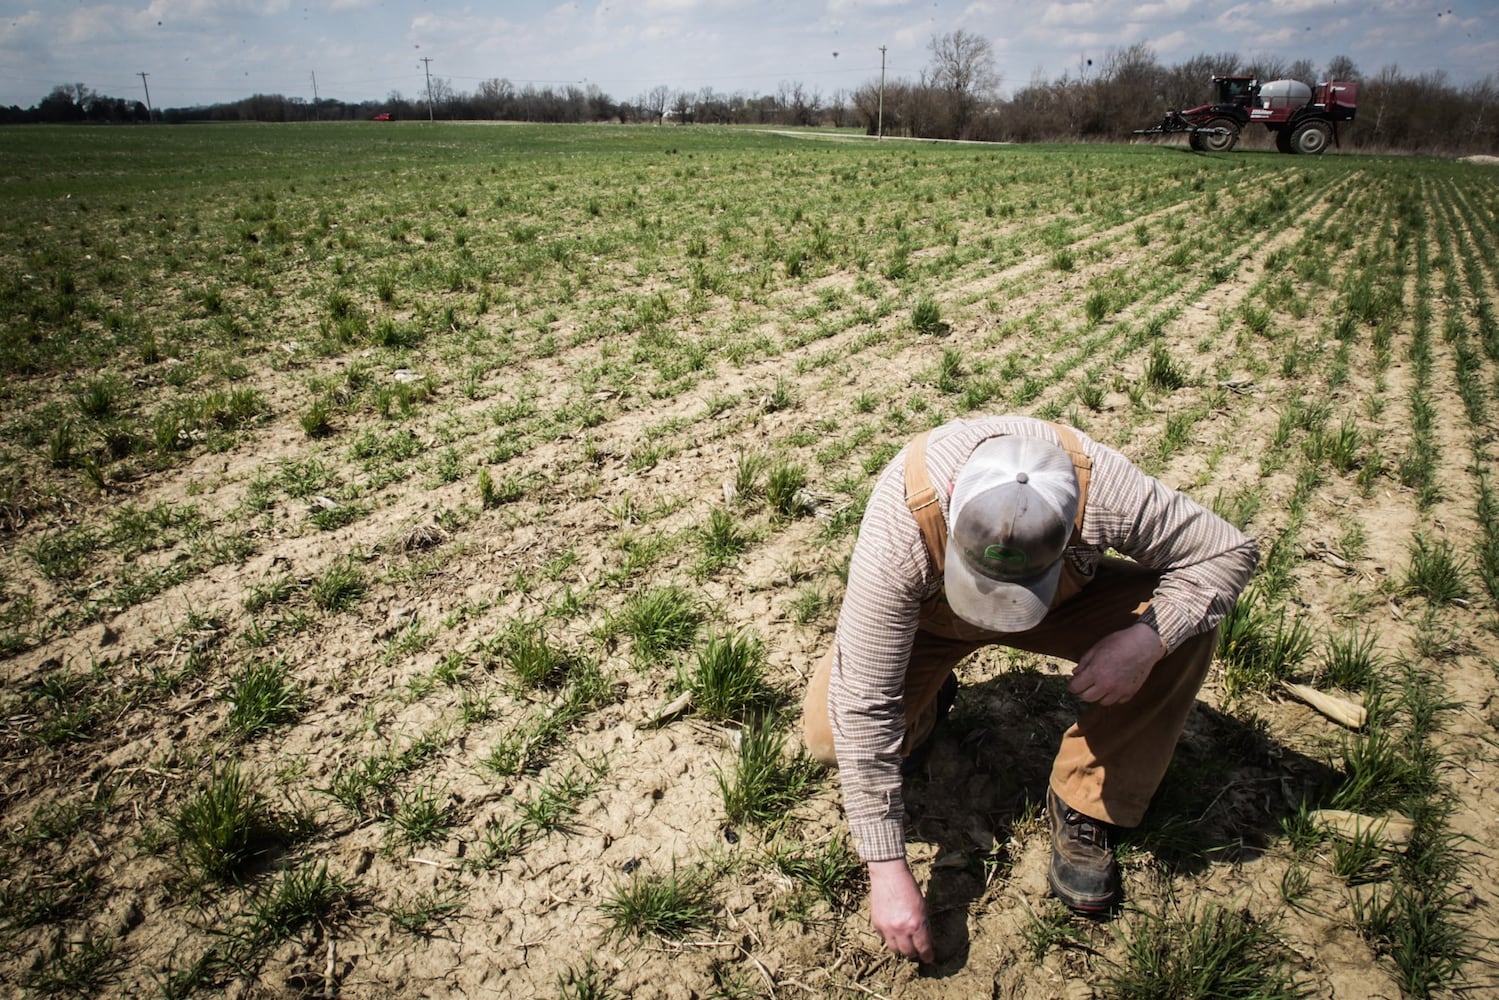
300 897
1052 927
317 419
784 487
926 316
421 816
277 590
1239 508
661 621
1212 953
1350 661
525 648
722 540
262 696
339 588
64 556
668 906
422 914
728 683
78 967
360 786
781 397
67 708
1259 646
831 872
493 494
1342 447
222 827
553 803
1417 919
750 466
1435 571
531 743
585 982
1379 773
766 783
1097 308
1162 371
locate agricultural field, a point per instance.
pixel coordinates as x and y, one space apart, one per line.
415 539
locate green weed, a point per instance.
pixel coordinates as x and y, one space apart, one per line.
728 683
766 783
223 827
1162 372
668 906
783 489
262 696
1212 952
339 588
926 316
661 621
722 540
1435 571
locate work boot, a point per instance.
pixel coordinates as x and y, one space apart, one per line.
1084 874
916 759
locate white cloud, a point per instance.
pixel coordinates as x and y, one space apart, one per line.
1058 15
862 6
1166 10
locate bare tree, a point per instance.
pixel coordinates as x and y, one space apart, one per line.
1303 70
1266 68
837 108
963 67
1189 84
495 97
1483 97
654 101
443 94
797 105
1342 68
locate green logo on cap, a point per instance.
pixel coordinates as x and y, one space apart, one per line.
1011 557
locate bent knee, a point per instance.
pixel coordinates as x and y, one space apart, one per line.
819 743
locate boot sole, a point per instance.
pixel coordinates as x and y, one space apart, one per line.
1091 906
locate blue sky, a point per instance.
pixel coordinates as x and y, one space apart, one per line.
203 51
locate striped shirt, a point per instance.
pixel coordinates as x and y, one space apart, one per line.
1205 562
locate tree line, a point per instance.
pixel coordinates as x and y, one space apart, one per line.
956 96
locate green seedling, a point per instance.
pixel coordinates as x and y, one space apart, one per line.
668 906
222 827
660 621
1212 952
339 588
1436 572
262 696
728 683
766 782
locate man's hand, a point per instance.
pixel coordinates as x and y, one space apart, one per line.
897 910
1113 670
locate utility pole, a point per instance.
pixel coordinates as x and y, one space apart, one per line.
428 63
879 129
314 94
148 95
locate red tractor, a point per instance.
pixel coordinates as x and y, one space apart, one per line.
1303 121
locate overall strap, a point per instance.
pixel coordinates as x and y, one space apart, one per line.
1082 465
921 498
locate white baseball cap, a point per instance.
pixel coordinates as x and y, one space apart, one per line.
1012 510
